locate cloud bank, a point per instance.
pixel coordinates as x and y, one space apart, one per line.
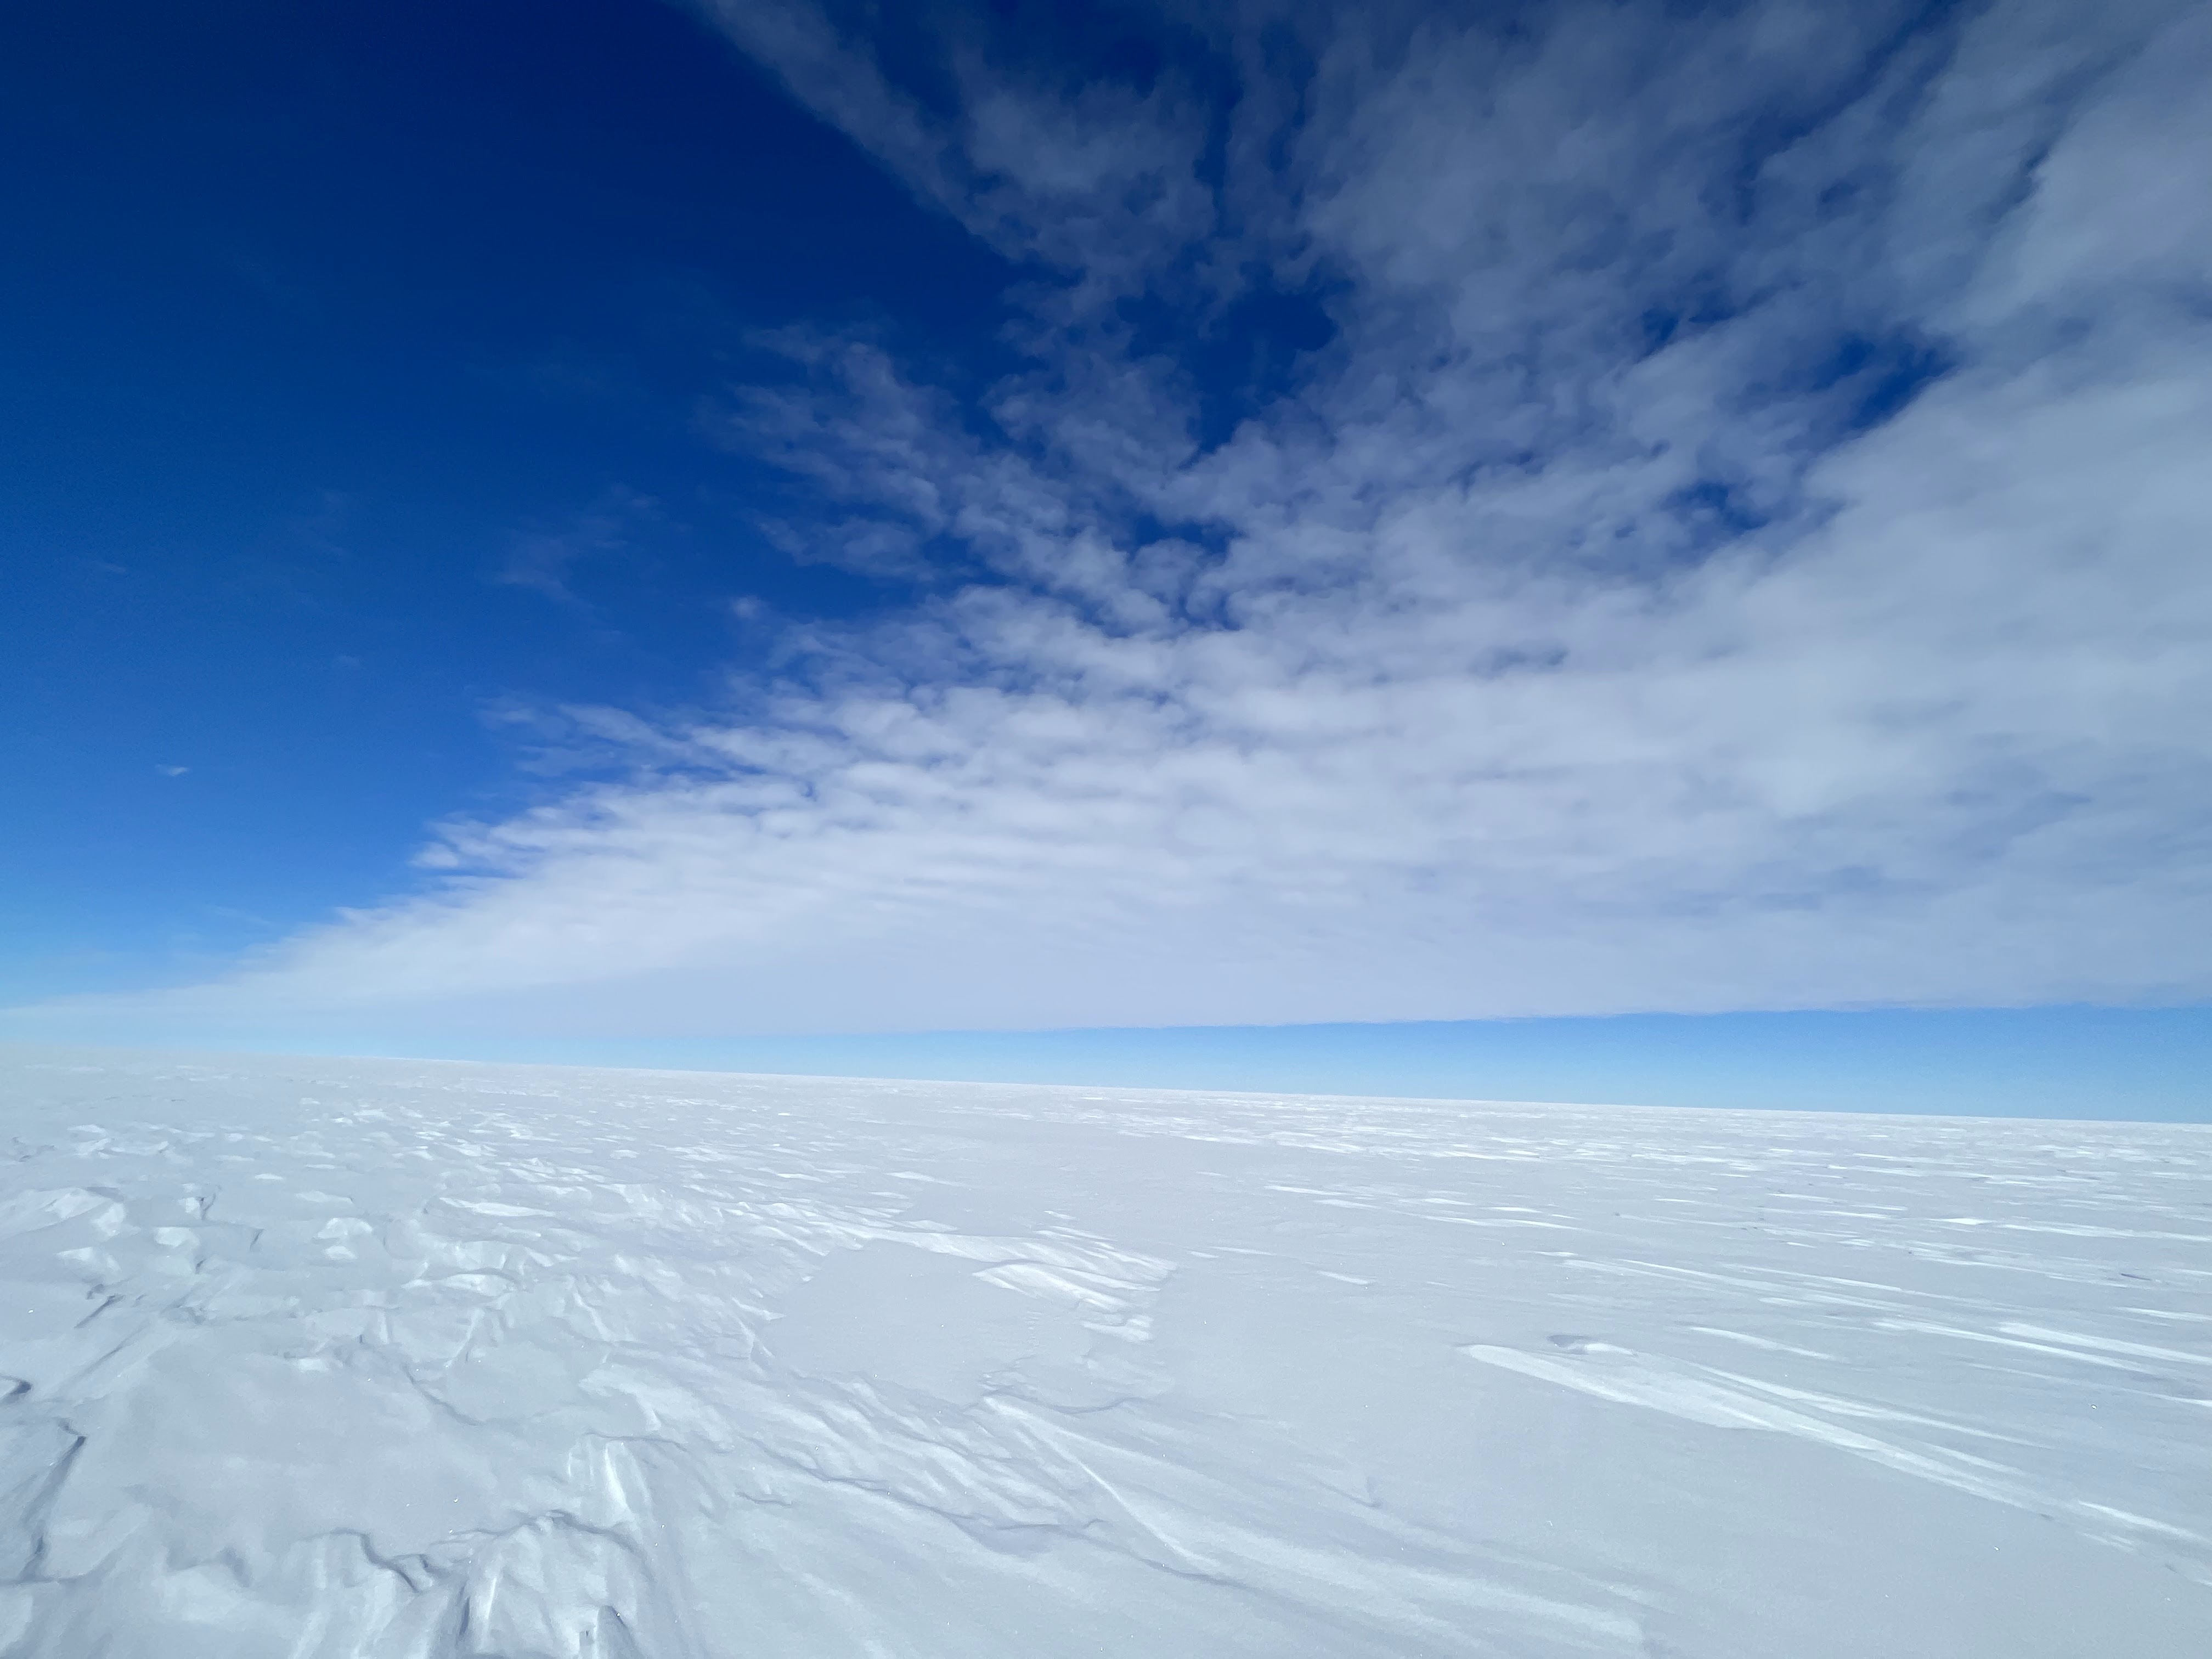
1561 510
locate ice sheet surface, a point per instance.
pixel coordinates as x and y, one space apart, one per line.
359 1358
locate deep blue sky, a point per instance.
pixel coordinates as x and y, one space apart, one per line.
608 527
317 313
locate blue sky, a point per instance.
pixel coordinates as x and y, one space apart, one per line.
326 318
624 524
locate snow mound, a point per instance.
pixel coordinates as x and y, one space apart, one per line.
318 1358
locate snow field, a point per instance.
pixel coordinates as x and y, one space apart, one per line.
346 1358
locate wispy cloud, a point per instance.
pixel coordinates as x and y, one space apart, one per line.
545 560
1739 540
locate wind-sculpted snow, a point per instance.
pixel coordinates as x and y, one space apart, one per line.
313 1359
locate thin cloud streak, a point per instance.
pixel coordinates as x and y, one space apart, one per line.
1743 545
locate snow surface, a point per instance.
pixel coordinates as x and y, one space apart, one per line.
364 1358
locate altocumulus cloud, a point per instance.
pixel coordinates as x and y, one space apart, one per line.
1712 514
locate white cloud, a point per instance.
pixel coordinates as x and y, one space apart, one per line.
1558 644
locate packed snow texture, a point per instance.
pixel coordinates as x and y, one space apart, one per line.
367 1357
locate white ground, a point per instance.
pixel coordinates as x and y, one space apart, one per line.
355 1358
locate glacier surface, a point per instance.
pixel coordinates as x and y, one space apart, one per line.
338 1357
